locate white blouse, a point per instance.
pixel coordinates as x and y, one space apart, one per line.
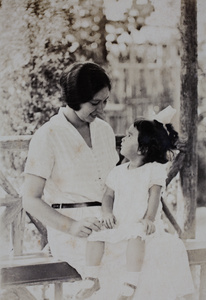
74 171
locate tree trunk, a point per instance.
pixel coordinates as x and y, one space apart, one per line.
188 112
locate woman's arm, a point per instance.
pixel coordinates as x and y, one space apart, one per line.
33 203
107 208
153 204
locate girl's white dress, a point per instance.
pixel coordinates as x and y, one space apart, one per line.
165 273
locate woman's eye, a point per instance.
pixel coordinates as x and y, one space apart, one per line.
97 103
94 103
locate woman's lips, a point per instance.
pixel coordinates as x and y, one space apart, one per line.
93 116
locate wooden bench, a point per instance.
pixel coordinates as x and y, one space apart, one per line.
39 269
196 251
35 269
42 269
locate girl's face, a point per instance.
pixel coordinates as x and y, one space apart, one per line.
129 145
95 107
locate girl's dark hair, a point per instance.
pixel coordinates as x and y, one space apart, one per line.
81 81
155 140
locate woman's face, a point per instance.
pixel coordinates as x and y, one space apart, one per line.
129 145
95 107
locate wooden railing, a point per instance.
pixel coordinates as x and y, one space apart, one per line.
14 213
15 216
22 270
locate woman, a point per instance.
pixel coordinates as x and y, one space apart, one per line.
69 158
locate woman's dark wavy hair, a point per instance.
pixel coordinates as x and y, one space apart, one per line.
155 140
81 81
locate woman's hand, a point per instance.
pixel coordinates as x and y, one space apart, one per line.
83 228
149 226
109 220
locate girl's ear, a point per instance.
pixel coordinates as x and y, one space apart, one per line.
142 150
139 152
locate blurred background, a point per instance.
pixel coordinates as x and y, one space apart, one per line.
137 42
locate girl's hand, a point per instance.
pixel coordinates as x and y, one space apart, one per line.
109 220
83 228
149 226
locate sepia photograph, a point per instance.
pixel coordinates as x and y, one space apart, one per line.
102 149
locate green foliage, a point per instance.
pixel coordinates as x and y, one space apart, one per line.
38 40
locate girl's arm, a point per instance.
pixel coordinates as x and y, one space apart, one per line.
153 204
108 201
33 203
107 208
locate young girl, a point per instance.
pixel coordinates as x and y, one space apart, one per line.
131 211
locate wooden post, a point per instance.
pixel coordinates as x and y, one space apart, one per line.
188 112
58 291
202 282
17 232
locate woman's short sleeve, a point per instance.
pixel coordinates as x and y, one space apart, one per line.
158 174
111 179
40 158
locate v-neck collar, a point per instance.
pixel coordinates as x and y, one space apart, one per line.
63 121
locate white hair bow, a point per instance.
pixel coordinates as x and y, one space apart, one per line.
165 116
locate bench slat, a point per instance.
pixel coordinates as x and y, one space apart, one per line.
38 274
35 269
196 251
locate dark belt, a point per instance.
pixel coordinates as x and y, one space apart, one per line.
75 205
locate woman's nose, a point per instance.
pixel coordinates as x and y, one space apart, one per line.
100 106
100 111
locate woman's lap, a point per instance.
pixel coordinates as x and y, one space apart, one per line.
165 268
